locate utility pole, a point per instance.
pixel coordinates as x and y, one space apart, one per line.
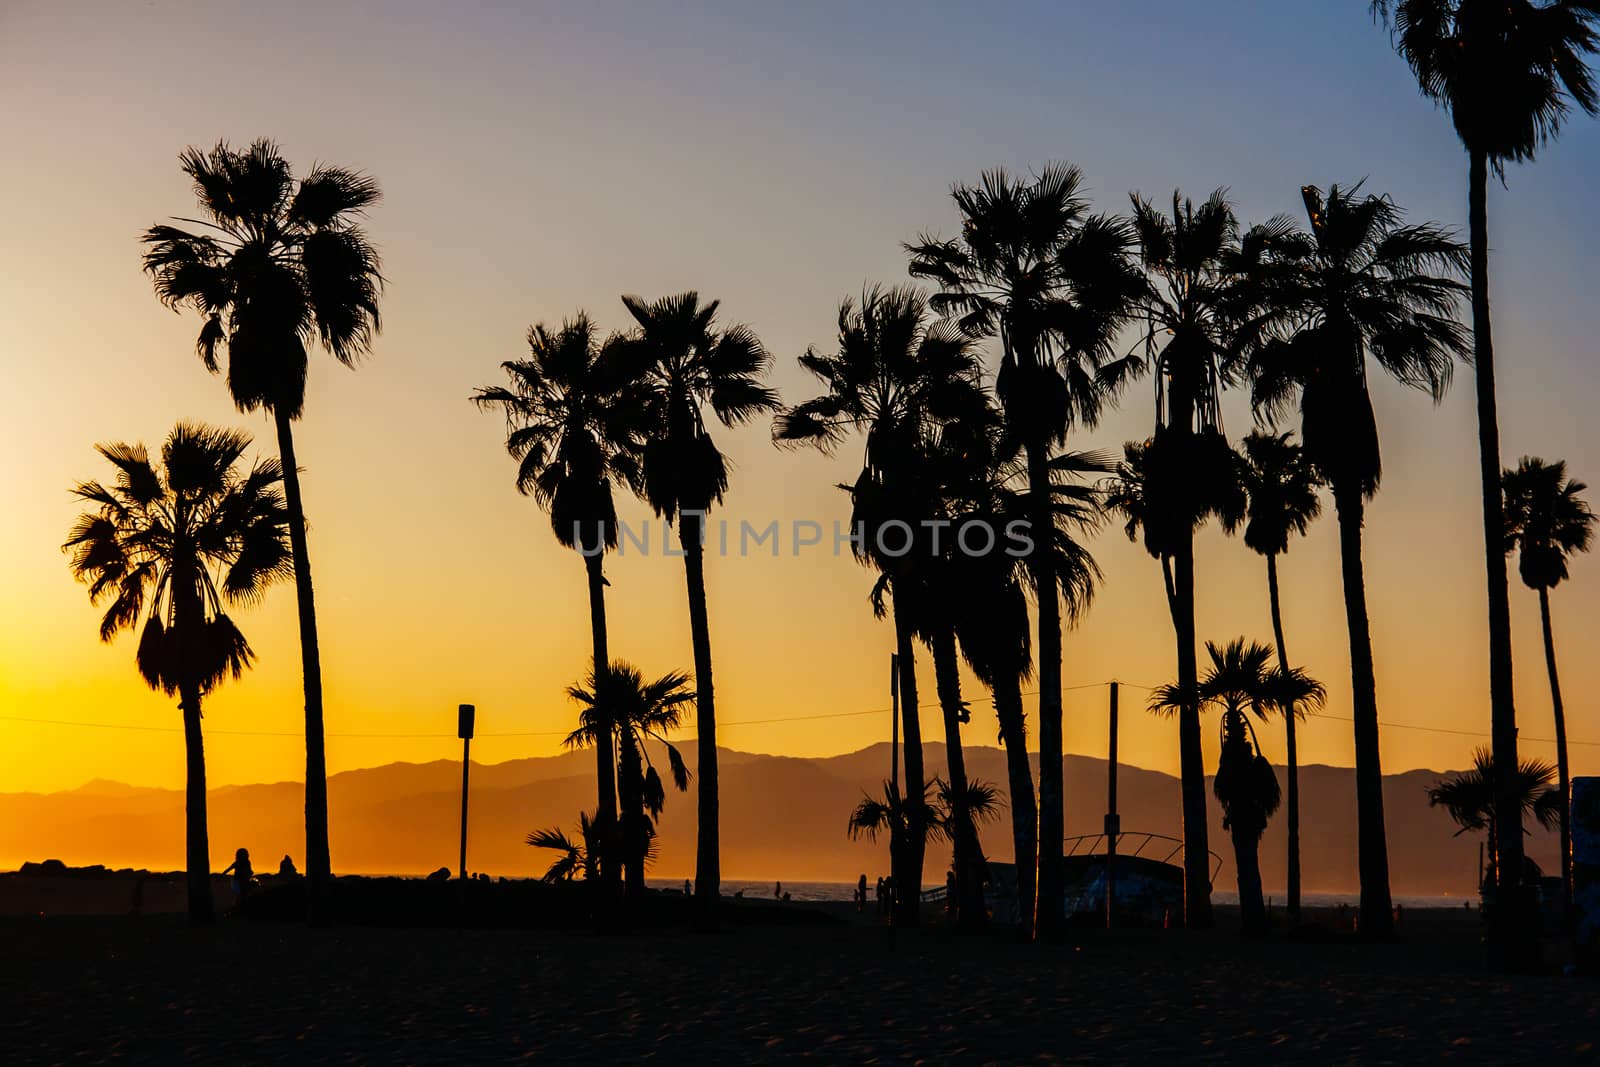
467 713
1113 820
894 728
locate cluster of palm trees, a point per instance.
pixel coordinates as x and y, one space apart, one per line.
1301 315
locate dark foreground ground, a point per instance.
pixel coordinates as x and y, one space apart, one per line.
140 990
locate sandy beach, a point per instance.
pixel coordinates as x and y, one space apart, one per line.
89 990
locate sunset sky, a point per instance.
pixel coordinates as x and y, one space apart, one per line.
538 160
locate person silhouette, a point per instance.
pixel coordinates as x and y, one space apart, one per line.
242 875
777 891
861 894
686 888
950 891
883 896
286 867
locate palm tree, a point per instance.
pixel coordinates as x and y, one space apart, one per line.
578 857
895 377
1052 284
685 365
1472 800
1546 520
1238 681
573 424
619 700
1359 284
283 264
1282 488
171 544
1508 72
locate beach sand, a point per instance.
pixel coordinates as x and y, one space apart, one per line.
131 990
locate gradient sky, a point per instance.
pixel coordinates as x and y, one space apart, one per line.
537 160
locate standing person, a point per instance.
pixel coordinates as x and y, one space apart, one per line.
242 874
950 892
883 896
777 891
861 894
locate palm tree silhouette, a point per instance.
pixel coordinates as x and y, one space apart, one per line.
578 857
686 364
1052 283
895 377
1359 284
1238 681
902 815
1282 488
1508 72
171 544
619 702
1545 521
573 423
1472 800
283 265
1197 286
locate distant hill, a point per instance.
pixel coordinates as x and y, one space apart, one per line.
782 818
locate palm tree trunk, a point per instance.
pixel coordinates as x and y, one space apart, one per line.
318 862
1289 715
708 858
1377 916
1511 943
1024 812
1191 757
1247 860
968 851
907 866
630 797
1048 916
1563 780
198 842
604 755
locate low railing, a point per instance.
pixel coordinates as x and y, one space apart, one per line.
1094 844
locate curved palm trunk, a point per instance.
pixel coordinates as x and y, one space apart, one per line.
1247 860
1511 942
1191 757
1377 916
604 754
1024 812
1293 791
708 861
907 865
968 851
318 862
198 842
1563 780
1048 916
630 798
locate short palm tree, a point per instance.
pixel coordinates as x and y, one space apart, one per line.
573 424
1239 681
171 543
1198 284
1053 284
1508 71
686 364
1470 798
1360 284
281 265
578 857
619 700
1282 488
895 377
1545 522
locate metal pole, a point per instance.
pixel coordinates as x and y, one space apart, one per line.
466 765
465 722
894 712
1113 820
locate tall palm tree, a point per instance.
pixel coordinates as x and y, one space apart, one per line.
1052 284
1238 681
1546 521
1508 71
686 364
573 424
1282 488
171 544
281 265
1473 802
1360 284
896 376
1197 285
616 700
